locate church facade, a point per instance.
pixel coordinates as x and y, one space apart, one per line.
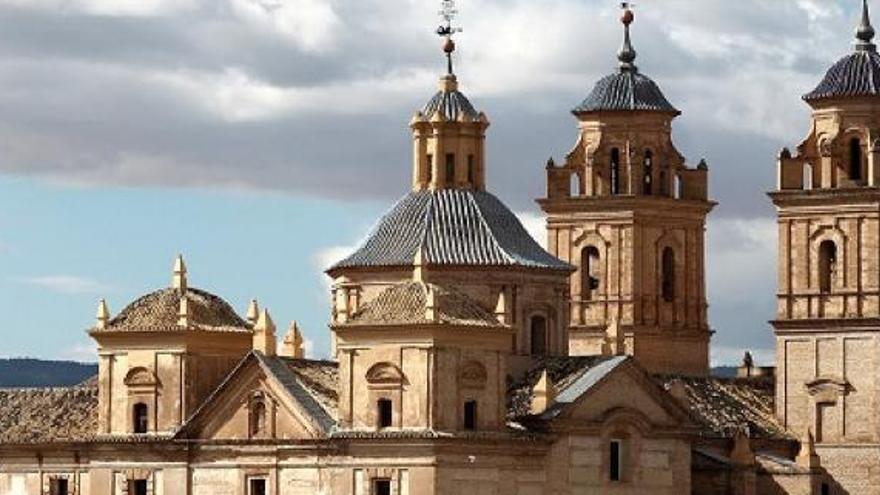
467 359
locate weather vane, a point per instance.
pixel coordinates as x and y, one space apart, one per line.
446 30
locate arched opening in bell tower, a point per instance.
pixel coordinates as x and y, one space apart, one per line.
667 284
855 159
648 180
539 335
589 272
614 172
827 262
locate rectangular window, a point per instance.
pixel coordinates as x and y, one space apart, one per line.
430 168
450 168
384 412
137 487
614 461
470 170
470 415
381 487
60 486
257 486
826 489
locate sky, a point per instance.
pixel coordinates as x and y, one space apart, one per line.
262 139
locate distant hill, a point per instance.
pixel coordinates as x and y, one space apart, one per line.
724 371
26 372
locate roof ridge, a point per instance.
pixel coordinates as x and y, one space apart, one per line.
473 202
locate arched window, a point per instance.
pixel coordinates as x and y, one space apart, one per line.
574 187
589 272
430 161
827 265
450 168
614 175
648 181
470 170
668 275
258 418
140 421
808 177
678 187
664 182
539 335
855 159
470 415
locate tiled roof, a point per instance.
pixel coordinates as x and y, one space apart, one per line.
406 304
158 311
626 90
564 372
49 415
451 227
857 74
312 383
722 406
452 104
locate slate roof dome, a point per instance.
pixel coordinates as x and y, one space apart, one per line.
459 227
451 102
159 311
627 89
857 74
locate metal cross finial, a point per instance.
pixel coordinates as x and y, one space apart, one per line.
447 30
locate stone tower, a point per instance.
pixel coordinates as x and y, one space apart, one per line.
449 289
828 314
630 215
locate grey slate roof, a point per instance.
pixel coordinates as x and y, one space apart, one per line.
295 385
626 90
452 103
451 227
406 304
857 74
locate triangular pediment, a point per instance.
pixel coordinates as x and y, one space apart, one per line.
254 403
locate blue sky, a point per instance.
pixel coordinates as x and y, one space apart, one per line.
262 138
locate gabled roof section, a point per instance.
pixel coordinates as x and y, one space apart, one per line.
309 384
451 227
407 304
722 407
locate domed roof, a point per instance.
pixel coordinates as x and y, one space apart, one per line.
450 101
450 227
625 90
855 75
159 312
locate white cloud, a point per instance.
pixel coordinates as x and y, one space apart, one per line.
67 284
742 260
535 225
110 8
310 24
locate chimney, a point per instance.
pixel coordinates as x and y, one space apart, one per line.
432 310
183 312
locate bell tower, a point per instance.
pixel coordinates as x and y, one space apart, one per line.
828 313
630 215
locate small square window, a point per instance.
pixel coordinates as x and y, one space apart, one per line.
257 486
382 487
137 487
60 486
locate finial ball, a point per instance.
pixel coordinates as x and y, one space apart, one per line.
628 17
448 45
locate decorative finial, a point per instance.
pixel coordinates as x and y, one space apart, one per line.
865 32
627 54
292 346
446 30
253 312
103 316
179 281
264 334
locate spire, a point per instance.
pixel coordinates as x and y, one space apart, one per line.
865 32
179 280
544 393
627 54
103 317
446 30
